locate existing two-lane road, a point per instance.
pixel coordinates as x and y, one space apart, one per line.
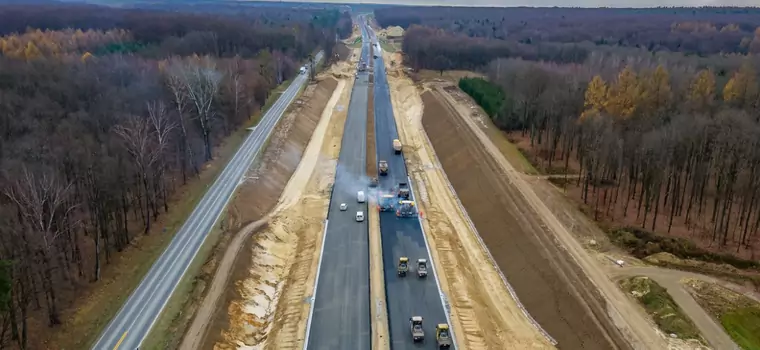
135 319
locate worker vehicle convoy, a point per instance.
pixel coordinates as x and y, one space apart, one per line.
382 167
421 267
403 266
397 146
415 325
406 209
442 336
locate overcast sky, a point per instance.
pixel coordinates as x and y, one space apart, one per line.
562 3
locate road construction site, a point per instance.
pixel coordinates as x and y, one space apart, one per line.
484 314
504 272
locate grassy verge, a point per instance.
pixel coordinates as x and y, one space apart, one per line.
682 254
387 47
738 314
127 270
661 307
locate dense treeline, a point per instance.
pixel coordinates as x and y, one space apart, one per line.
438 50
657 144
298 31
703 31
488 95
104 113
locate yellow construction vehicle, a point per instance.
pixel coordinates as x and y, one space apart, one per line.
403 266
442 336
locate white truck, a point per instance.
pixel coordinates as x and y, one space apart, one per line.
397 146
360 197
421 267
415 325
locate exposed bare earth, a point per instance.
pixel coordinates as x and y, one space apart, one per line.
558 282
484 315
255 198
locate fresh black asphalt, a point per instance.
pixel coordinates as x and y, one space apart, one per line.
405 296
341 317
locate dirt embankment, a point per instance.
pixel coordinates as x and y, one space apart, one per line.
253 200
546 279
484 315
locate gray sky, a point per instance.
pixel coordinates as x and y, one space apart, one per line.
563 3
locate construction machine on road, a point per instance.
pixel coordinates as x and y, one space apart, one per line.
382 167
385 202
442 336
421 267
406 209
415 325
403 191
396 146
403 266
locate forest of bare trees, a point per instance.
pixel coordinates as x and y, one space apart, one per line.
656 146
104 114
656 110
700 31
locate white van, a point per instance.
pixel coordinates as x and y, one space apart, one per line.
360 197
359 216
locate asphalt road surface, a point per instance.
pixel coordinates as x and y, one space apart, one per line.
405 296
340 319
136 318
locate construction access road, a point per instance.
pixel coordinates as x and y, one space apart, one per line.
405 296
135 319
340 319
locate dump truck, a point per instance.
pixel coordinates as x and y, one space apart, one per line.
421 267
386 202
442 336
382 167
402 190
397 146
415 325
406 209
403 266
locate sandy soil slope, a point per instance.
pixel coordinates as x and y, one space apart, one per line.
271 310
559 283
484 314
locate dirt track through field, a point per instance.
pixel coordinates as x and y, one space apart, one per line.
547 281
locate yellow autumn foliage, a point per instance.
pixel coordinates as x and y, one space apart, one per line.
624 94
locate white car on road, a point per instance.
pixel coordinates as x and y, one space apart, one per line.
343 206
359 216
